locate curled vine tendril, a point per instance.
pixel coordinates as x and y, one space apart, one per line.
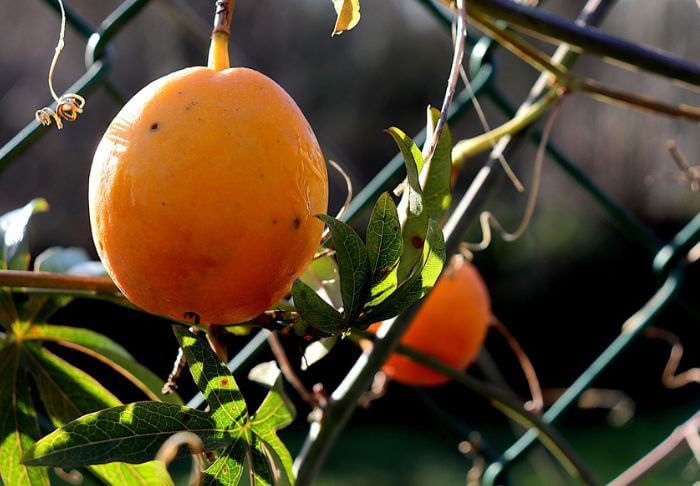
68 106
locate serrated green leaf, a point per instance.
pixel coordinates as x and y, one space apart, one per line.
322 275
383 238
214 380
415 223
419 283
314 310
437 189
13 230
229 466
18 423
130 433
67 393
274 413
348 12
317 350
107 351
353 265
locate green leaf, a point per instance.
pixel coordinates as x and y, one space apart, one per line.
228 467
437 189
316 351
59 260
214 380
107 351
353 265
67 393
421 280
314 310
348 15
384 246
130 433
274 413
415 226
13 230
18 424
322 276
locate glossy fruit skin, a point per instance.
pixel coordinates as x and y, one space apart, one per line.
451 326
203 193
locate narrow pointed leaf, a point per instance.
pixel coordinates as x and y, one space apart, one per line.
348 12
437 189
415 220
214 380
353 265
13 231
383 238
18 423
420 282
67 393
314 310
128 433
229 466
107 351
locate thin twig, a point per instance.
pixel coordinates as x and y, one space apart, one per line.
670 378
45 280
458 55
288 370
178 367
647 463
223 16
537 403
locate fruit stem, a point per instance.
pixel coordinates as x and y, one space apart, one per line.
218 49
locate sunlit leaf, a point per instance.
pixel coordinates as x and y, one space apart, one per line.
275 412
314 310
353 265
104 349
214 380
130 433
316 351
13 230
322 275
67 393
437 189
348 15
384 245
18 423
228 467
415 223
421 280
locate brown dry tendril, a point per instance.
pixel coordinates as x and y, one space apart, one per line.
68 106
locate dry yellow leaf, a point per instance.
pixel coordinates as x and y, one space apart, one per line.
348 15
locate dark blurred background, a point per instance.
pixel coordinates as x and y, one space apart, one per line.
564 289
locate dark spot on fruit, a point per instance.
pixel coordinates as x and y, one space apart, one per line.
190 105
296 223
417 242
155 127
224 382
274 221
162 203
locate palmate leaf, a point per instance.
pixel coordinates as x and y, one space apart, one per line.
215 381
130 433
18 423
107 351
419 283
13 229
415 225
67 393
353 265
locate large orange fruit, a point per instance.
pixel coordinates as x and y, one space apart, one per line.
451 326
203 193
